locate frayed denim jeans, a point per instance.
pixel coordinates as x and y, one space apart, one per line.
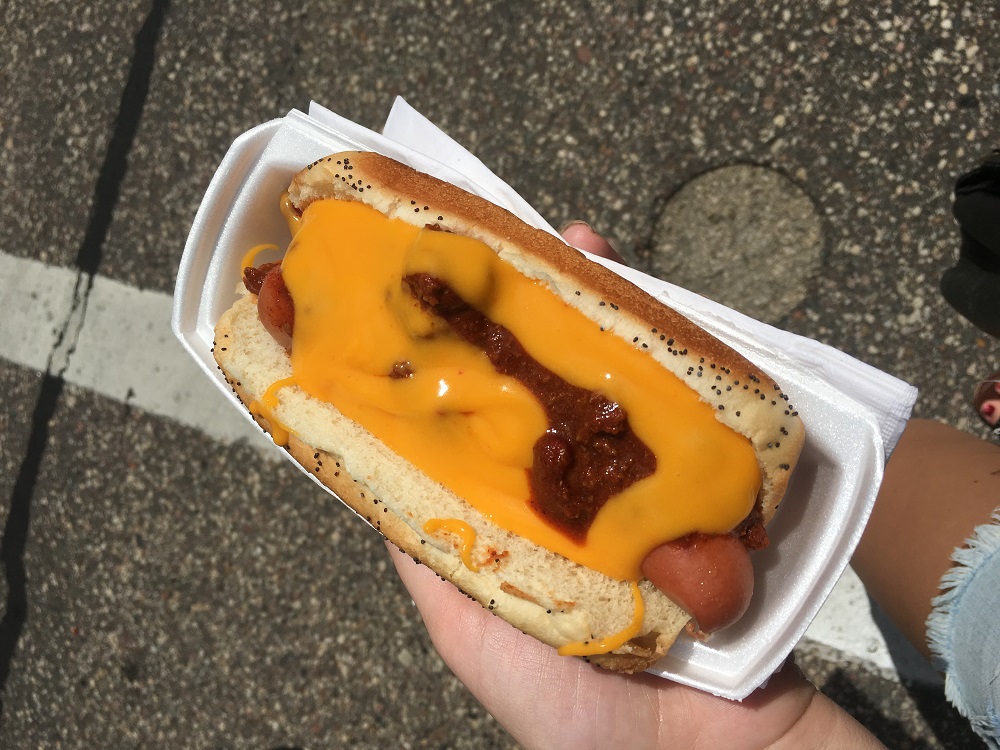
964 631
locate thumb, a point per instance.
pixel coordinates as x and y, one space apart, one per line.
581 236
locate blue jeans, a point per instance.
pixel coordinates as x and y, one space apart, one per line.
964 631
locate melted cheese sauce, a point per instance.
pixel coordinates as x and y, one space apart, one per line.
615 640
265 408
250 258
465 533
468 427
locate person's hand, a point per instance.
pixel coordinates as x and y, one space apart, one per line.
549 701
582 237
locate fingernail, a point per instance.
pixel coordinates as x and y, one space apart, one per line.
987 410
575 223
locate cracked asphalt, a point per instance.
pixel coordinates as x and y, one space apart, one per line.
162 589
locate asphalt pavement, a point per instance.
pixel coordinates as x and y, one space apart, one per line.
167 583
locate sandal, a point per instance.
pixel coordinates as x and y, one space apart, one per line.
972 285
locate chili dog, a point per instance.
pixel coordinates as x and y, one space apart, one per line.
576 456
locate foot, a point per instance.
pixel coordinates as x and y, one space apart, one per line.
986 400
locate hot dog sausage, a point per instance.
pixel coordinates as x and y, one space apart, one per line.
274 303
709 575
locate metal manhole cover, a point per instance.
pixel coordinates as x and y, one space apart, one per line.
744 236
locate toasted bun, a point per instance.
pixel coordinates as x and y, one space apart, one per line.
537 591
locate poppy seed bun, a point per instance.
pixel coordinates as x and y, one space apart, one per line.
537 591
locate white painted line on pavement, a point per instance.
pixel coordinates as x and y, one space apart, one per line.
38 298
845 623
126 351
131 329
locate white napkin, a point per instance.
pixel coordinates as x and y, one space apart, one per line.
888 399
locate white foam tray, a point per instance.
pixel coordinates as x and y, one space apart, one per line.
833 487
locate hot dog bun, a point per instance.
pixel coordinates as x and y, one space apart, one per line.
537 591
